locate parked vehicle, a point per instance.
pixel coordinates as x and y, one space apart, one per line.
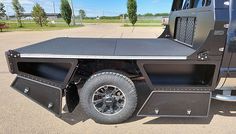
3 26
193 61
165 21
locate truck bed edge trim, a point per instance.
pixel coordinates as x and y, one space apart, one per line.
52 56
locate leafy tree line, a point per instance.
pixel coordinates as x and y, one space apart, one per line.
157 14
2 10
126 15
39 15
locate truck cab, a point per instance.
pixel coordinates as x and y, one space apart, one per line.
192 62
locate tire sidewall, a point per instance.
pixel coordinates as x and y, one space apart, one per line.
118 80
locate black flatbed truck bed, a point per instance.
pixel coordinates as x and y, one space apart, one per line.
192 62
92 48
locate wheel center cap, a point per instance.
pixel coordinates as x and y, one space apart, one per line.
109 100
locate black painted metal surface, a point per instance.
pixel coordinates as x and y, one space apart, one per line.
72 97
204 75
71 46
48 96
176 104
40 73
108 47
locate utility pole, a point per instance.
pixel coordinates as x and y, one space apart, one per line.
123 18
53 4
81 18
73 12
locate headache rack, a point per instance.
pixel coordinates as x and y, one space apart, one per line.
185 28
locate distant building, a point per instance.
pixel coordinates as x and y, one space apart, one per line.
165 21
53 15
28 16
4 18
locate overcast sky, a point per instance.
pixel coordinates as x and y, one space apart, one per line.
96 7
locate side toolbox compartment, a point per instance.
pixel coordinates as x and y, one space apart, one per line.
176 104
49 97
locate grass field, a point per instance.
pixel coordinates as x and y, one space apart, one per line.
143 25
139 22
29 25
32 26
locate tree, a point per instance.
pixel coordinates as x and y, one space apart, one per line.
162 14
125 15
2 10
66 11
82 13
132 11
19 10
148 14
39 15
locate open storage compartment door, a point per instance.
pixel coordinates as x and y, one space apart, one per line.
50 97
176 104
42 80
180 88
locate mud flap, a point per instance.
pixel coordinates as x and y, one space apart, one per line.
48 96
166 33
72 97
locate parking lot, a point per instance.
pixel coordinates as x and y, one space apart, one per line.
19 115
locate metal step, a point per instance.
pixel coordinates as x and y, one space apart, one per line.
226 96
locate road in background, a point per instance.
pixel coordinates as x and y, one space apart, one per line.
19 115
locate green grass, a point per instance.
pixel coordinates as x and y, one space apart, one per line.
149 21
29 25
140 23
143 25
110 21
102 21
118 21
94 20
32 26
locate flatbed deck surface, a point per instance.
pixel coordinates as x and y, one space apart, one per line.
106 49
